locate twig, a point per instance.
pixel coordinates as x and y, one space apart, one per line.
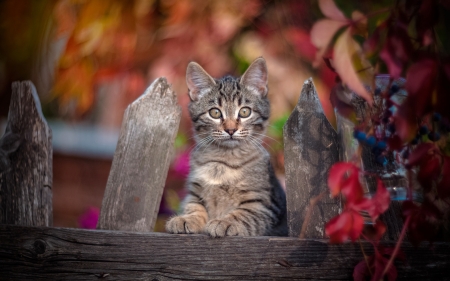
308 215
397 247
365 257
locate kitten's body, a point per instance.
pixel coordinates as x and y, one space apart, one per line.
232 186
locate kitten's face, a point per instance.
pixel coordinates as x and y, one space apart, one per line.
229 112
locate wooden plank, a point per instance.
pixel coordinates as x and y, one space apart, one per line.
310 149
141 161
26 161
42 253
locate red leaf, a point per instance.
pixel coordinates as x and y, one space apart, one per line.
420 85
336 176
372 44
347 225
361 271
322 33
347 52
344 178
397 49
429 172
421 153
422 226
443 187
405 121
427 17
330 10
395 143
380 202
376 231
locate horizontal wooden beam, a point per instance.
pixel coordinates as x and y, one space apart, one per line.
43 253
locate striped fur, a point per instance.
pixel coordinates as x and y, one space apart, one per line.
232 186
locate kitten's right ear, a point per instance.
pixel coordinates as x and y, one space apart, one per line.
198 81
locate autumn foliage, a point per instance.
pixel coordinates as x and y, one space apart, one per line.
403 40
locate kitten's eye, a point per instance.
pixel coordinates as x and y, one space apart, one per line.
215 113
245 112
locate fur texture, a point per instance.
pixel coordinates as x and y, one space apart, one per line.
232 186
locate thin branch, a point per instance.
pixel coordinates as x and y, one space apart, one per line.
365 257
397 246
308 215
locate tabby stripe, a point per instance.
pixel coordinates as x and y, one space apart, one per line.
199 127
195 118
195 195
251 201
270 215
253 215
220 102
239 101
263 117
232 166
258 127
224 95
243 222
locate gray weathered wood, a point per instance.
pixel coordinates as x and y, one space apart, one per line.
41 253
26 161
310 149
141 161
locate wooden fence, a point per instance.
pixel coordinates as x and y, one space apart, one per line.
124 248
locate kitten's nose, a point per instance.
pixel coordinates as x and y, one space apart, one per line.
230 131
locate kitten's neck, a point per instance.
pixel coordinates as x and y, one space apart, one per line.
229 155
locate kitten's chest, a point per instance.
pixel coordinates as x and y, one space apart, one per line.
217 173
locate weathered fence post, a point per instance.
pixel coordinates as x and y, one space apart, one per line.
311 147
141 161
26 161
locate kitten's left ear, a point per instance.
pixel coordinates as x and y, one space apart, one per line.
198 81
255 78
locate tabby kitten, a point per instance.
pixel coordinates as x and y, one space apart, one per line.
232 186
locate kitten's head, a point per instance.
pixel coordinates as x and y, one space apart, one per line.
229 112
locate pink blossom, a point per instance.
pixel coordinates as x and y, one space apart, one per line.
89 218
181 165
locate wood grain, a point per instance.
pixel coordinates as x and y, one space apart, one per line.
42 253
26 161
310 149
141 161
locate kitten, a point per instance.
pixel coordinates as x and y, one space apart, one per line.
232 186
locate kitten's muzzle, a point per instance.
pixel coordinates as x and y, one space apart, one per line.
230 131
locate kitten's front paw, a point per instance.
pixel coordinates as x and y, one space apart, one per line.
221 228
185 224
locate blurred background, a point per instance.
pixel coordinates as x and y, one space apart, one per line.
90 59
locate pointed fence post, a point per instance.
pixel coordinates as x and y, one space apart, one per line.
311 147
26 161
141 161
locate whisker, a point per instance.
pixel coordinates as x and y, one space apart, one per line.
200 143
209 144
257 145
266 137
256 139
201 134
